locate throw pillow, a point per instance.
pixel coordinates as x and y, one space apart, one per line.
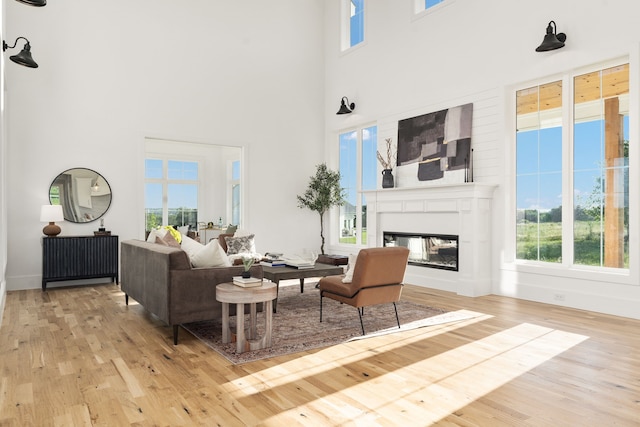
170 240
175 233
231 229
156 233
210 255
350 268
190 246
183 229
238 245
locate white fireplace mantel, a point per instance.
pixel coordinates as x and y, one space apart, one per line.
460 209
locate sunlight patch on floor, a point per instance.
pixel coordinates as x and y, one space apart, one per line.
319 361
449 381
441 385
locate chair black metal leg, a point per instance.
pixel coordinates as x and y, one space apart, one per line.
361 324
175 334
397 318
320 307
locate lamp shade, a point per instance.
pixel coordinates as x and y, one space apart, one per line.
344 109
552 41
38 3
51 213
24 57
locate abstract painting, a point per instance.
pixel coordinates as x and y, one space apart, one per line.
438 142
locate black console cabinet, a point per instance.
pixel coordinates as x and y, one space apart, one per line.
79 257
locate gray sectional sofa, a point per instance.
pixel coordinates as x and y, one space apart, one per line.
162 280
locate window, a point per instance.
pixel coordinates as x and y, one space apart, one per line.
601 168
352 23
593 230
539 173
171 193
430 3
422 5
234 184
358 172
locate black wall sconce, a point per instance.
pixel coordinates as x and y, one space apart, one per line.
552 40
343 106
24 57
38 3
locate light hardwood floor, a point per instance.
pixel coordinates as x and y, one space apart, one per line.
79 356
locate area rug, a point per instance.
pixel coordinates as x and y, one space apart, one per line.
297 327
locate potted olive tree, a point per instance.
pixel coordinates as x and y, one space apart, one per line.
323 193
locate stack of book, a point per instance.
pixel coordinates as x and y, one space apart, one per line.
247 283
299 264
268 262
273 259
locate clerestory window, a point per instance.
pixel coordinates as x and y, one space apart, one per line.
423 5
352 23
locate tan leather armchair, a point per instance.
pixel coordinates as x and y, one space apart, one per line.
377 279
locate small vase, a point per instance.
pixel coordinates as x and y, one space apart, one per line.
246 274
387 178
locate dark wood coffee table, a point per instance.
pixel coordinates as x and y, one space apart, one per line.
276 274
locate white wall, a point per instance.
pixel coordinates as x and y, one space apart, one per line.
3 177
246 74
478 51
252 74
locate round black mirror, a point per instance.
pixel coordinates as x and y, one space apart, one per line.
83 193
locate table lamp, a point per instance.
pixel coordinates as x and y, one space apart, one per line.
51 214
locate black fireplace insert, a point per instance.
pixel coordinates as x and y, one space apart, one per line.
427 250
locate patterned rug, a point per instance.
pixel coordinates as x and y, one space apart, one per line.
297 327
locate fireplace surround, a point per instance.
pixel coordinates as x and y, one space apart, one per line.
462 210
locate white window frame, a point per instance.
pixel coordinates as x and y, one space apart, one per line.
230 184
165 181
335 220
567 268
345 27
419 11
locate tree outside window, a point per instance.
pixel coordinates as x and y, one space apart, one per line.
358 172
598 203
171 193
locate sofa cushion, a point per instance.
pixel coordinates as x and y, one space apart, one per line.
151 238
175 233
223 242
161 232
190 246
168 240
240 245
210 255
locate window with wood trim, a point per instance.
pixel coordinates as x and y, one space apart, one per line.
574 210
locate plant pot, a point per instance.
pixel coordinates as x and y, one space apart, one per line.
246 274
387 178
